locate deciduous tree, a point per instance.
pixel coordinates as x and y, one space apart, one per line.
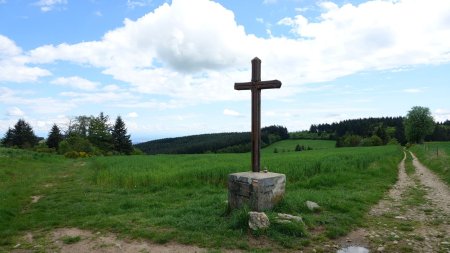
99 132
418 124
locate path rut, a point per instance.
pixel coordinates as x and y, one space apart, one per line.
438 191
413 217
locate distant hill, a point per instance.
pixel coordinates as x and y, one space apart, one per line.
215 143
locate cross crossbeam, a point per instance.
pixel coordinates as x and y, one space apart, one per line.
256 85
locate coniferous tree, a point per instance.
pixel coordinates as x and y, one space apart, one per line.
23 135
381 132
121 141
7 141
54 137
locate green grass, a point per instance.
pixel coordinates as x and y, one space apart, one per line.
409 167
289 145
183 197
22 174
71 239
436 156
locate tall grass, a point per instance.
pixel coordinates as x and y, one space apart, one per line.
345 182
289 145
436 156
183 197
188 170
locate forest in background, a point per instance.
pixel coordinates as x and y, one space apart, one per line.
213 143
89 135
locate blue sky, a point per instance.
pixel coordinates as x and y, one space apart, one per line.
168 67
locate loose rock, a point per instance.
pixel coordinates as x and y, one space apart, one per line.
283 217
258 220
313 206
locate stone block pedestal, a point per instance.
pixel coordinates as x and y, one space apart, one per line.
259 190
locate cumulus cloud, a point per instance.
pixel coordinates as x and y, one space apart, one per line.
76 82
49 5
195 50
97 97
39 105
13 66
441 114
229 112
132 115
15 112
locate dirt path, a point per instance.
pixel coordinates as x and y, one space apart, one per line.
413 217
73 240
438 191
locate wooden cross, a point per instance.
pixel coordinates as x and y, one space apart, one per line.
256 85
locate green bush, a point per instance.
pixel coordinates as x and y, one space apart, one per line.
352 140
72 154
75 143
371 141
137 151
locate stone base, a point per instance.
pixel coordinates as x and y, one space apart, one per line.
260 191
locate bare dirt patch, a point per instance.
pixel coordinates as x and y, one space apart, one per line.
35 199
74 240
99 243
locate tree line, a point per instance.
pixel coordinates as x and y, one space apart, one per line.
416 127
213 143
84 136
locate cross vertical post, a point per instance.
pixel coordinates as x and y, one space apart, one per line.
256 116
256 85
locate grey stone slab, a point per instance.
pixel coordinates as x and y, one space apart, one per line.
259 190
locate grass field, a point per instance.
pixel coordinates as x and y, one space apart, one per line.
183 197
289 145
436 156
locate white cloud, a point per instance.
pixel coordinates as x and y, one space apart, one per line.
138 3
76 82
97 97
15 112
195 50
111 87
40 105
132 115
413 90
98 13
49 5
13 66
441 114
229 112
